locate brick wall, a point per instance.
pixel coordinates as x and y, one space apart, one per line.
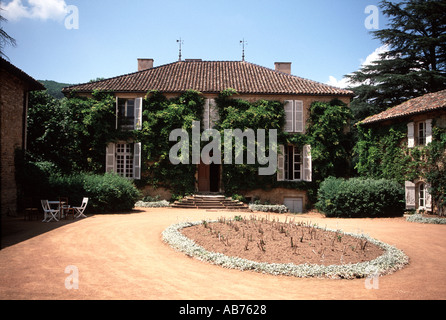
12 97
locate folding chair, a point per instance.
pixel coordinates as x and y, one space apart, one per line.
48 213
80 210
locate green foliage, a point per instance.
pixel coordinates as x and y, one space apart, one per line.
428 164
382 153
71 133
242 114
54 88
415 60
330 144
160 117
107 193
359 197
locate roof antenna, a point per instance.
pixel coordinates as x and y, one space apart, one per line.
243 42
180 42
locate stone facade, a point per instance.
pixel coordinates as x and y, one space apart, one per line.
14 88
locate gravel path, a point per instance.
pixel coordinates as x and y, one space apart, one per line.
122 256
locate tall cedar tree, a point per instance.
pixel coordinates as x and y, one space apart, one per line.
415 63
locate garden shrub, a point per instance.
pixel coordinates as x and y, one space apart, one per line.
107 193
358 197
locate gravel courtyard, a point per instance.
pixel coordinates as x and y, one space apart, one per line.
122 256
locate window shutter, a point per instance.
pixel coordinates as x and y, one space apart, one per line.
307 163
288 116
110 158
281 163
213 113
410 135
138 113
298 116
428 131
206 114
428 200
117 112
137 160
410 194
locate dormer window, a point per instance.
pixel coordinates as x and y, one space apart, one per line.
128 114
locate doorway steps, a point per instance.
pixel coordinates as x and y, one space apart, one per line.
210 202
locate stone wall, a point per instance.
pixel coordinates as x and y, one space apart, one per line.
12 99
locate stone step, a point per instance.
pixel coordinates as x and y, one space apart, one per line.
210 202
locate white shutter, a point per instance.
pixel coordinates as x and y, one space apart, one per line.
298 116
428 198
281 163
307 163
110 157
213 113
137 160
410 135
428 131
410 194
288 116
138 113
206 113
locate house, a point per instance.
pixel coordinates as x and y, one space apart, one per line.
420 115
15 86
252 83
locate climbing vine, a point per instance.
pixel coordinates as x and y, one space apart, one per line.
383 153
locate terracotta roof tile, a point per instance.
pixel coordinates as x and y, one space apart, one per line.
425 103
211 77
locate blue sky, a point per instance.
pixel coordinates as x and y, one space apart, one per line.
322 38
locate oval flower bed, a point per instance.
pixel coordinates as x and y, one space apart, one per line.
389 261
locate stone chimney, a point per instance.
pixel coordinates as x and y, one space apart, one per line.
144 64
284 67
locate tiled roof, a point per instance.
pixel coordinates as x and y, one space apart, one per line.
32 84
425 103
211 77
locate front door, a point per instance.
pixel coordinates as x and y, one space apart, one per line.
208 177
204 177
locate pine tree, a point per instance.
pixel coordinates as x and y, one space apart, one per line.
413 65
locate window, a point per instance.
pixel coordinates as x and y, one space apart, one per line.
124 159
294 116
419 133
294 163
421 196
421 137
128 114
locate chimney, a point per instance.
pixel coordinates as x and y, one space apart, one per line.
144 64
284 67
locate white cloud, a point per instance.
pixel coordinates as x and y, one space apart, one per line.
35 9
374 56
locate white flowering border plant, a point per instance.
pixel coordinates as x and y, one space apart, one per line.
392 260
420 219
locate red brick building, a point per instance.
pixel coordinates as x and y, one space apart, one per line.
15 86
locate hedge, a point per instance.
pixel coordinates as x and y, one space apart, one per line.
107 193
359 197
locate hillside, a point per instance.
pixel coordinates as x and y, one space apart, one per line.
54 88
